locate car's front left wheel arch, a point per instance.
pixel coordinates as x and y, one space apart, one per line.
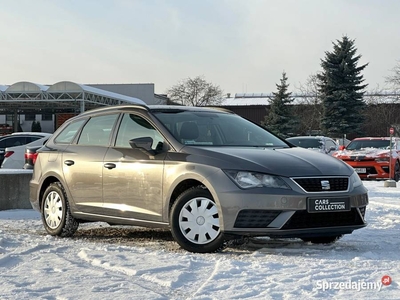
195 221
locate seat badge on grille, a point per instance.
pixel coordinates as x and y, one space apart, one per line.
325 185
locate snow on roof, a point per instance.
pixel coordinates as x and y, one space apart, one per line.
65 86
244 101
26 86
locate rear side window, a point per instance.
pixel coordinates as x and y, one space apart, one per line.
30 139
15 141
97 131
67 135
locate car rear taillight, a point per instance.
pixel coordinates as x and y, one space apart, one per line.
31 157
34 157
8 154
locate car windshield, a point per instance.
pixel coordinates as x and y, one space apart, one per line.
206 128
306 143
362 144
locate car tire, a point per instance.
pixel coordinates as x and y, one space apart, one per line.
322 239
56 215
396 171
194 221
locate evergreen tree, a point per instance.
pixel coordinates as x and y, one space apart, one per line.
342 90
280 119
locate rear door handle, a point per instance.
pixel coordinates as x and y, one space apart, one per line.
69 162
110 166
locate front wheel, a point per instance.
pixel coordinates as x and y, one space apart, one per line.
56 215
195 220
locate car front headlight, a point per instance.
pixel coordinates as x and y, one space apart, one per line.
355 180
248 180
382 159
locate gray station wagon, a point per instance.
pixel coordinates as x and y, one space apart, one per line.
206 173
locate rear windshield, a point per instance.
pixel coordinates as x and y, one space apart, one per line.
306 143
216 129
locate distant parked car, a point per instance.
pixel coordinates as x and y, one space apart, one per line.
18 139
207 174
14 157
371 156
320 144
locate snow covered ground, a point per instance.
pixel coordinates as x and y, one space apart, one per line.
103 262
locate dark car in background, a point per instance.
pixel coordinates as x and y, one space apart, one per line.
206 173
320 144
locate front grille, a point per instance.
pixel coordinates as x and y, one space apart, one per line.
314 184
252 218
304 219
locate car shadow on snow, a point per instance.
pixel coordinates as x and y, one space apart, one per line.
161 239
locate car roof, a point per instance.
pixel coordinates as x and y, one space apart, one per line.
308 137
155 107
151 108
373 138
30 133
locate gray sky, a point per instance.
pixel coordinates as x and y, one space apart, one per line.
240 45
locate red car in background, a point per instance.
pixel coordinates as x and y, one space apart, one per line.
371 157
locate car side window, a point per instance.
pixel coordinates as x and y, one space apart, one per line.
330 144
30 139
132 127
68 133
15 141
97 130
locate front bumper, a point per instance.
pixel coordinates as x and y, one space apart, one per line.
283 213
373 169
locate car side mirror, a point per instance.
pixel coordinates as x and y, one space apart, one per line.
143 144
342 147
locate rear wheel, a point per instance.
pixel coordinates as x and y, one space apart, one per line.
56 215
194 221
322 239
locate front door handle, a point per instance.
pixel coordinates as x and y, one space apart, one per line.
110 166
69 162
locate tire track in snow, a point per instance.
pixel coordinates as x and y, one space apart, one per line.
214 272
139 277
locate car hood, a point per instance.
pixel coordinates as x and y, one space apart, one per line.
366 153
288 162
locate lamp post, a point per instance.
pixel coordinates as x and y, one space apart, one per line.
390 182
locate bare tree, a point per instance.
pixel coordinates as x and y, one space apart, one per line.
195 92
309 108
394 79
382 113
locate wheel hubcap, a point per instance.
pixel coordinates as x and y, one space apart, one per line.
199 221
53 210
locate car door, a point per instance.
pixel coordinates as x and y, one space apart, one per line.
132 183
83 163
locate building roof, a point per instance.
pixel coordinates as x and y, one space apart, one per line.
65 96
